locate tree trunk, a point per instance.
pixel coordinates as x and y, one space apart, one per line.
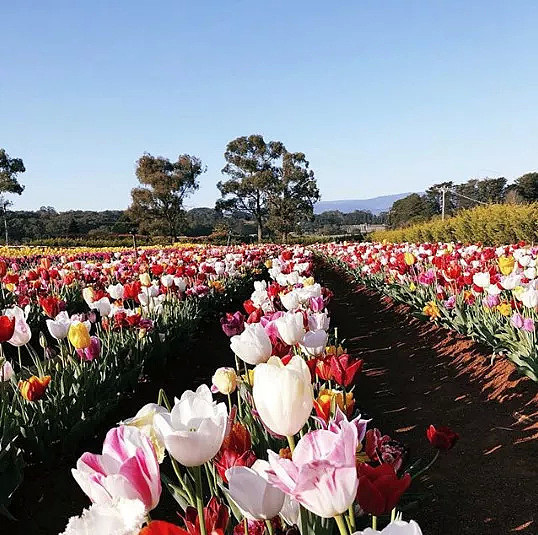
260 231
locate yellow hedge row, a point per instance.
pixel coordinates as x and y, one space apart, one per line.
495 224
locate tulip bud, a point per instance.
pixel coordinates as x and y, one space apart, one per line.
224 381
42 340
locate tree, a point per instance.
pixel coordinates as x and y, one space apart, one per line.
411 209
10 168
292 200
527 187
157 206
253 167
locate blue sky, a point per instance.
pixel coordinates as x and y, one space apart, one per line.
382 96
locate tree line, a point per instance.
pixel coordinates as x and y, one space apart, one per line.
418 208
268 189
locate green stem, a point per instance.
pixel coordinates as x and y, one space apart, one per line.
393 515
291 442
229 404
303 519
341 524
245 525
428 466
374 522
269 527
199 498
177 471
351 514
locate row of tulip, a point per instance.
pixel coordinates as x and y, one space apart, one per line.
487 293
286 451
76 331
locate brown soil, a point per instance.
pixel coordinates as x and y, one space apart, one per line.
417 374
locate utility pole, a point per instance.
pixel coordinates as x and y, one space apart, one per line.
444 189
4 206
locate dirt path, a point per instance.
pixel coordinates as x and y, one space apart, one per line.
416 374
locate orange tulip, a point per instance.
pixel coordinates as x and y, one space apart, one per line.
34 388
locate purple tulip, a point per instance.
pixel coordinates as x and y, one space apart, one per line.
528 325
450 303
233 324
491 301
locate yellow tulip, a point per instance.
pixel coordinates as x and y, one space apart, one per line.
409 259
79 335
506 264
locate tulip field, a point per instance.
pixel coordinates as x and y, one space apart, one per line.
487 293
273 441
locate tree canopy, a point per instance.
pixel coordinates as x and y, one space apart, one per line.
273 186
10 168
157 206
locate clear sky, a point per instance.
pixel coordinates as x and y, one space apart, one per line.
382 96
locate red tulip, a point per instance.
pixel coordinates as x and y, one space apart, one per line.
249 306
51 305
34 388
442 438
216 517
7 328
380 489
235 450
343 369
159 527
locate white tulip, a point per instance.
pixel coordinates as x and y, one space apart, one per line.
87 294
167 280
59 326
122 517
290 301
530 298
180 283
283 395
22 333
314 342
103 306
530 272
397 527
6 371
511 281
144 420
194 430
482 280
318 320
291 512
253 345
250 489
291 327
115 291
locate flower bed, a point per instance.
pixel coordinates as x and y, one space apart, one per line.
77 330
282 449
489 294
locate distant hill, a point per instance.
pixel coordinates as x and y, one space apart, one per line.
376 205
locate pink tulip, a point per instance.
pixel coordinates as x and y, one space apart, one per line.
92 351
321 474
128 468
